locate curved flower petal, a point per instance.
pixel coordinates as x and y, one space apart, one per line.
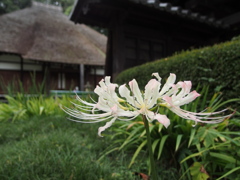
163 120
170 81
124 92
151 93
157 76
149 115
136 91
187 99
107 125
107 93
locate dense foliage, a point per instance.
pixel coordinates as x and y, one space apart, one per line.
38 142
7 6
218 66
190 151
66 5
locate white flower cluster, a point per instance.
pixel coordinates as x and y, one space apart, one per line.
131 102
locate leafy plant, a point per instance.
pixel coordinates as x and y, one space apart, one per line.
218 150
179 141
14 110
23 107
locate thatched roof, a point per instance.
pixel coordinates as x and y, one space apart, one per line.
44 33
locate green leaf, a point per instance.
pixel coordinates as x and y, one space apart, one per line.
229 172
154 144
220 134
224 157
228 101
198 172
163 140
207 136
178 141
160 126
186 170
132 137
207 149
137 152
193 130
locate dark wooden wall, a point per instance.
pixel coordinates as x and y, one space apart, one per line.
139 32
132 45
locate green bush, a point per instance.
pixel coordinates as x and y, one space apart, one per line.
217 66
23 107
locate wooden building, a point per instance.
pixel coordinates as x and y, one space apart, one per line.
145 30
42 40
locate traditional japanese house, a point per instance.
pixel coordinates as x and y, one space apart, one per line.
41 40
145 30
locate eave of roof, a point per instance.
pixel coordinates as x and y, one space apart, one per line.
177 10
83 7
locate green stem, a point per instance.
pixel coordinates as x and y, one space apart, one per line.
149 144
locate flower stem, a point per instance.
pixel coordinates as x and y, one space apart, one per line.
149 144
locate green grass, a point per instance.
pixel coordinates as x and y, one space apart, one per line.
55 148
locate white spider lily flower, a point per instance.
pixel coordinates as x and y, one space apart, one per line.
173 96
110 106
131 102
144 102
107 107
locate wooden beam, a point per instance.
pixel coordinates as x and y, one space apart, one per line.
232 19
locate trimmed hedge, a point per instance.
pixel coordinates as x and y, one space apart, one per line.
217 66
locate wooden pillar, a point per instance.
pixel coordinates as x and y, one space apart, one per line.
109 55
46 76
95 76
81 77
21 71
118 61
115 60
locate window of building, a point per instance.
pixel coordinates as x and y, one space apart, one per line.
139 51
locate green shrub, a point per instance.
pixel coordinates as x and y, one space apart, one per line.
23 107
218 66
